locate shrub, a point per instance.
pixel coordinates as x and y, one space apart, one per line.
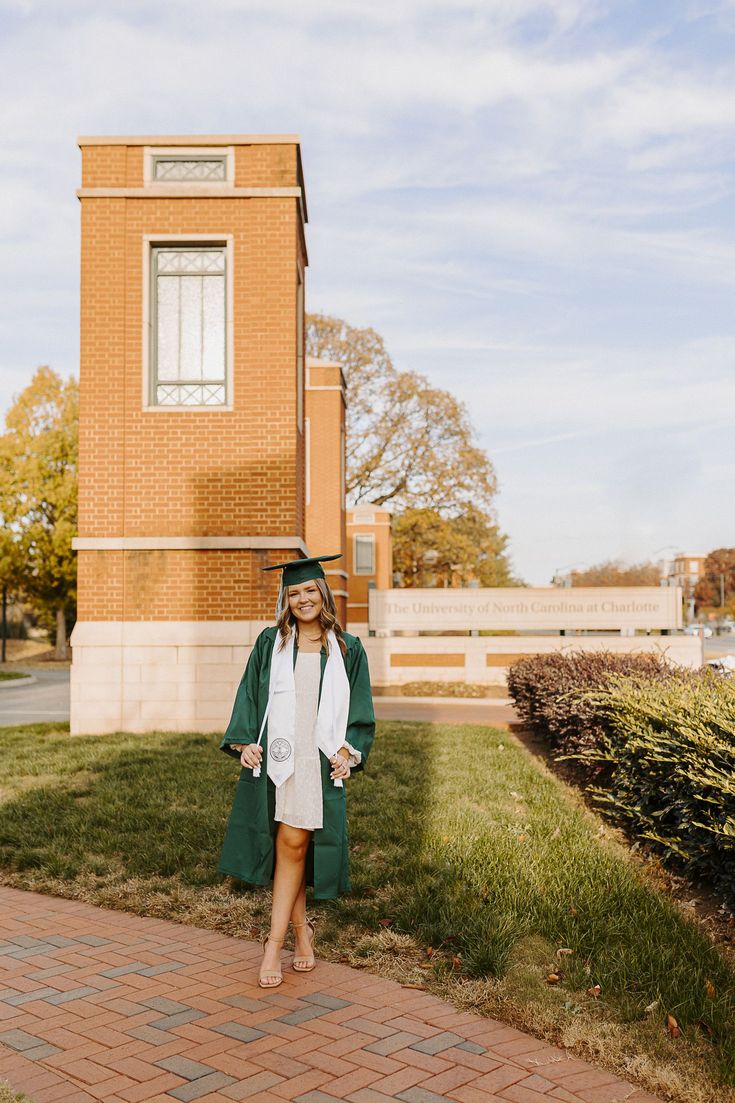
668 752
550 693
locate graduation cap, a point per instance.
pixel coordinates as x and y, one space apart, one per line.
302 570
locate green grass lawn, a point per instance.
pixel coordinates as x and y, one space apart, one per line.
9 675
472 868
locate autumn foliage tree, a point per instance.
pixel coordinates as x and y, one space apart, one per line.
411 448
717 581
614 573
430 550
38 495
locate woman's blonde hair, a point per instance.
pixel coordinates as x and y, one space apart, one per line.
327 617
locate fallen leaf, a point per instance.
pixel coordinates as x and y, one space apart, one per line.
710 989
651 1007
385 922
672 1026
429 951
521 838
706 1029
456 962
564 951
572 909
501 746
445 838
517 796
552 978
594 991
556 833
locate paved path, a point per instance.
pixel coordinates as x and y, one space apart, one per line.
447 710
102 1005
48 699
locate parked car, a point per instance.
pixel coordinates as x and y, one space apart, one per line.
724 665
698 630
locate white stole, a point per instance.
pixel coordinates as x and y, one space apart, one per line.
280 712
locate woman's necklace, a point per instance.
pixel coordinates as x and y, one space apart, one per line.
312 638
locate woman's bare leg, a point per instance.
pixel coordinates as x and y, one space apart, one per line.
302 935
292 844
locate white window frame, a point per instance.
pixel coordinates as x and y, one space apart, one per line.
189 153
370 538
215 240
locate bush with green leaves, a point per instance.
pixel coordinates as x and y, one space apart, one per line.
668 755
550 693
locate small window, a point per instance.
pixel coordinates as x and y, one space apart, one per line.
188 334
189 169
364 553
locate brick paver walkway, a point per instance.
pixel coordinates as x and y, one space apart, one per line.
102 1005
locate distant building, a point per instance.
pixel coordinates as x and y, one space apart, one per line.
685 570
369 560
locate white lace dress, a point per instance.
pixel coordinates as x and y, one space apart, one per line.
299 799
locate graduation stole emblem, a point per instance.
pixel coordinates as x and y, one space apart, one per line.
280 712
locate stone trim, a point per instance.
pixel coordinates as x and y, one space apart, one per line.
188 543
165 633
186 191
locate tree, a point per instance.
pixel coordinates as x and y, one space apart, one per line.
409 445
431 550
718 575
38 492
11 573
614 573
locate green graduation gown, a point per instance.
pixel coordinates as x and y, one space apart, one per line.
248 851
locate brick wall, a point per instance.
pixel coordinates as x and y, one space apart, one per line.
325 513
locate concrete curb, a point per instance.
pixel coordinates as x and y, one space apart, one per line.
438 700
11 683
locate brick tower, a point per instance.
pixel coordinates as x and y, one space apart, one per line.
192 451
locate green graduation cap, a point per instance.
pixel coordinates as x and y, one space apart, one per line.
302 570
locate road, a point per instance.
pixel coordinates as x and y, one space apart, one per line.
45 699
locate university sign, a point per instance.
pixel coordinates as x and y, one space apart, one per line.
525 608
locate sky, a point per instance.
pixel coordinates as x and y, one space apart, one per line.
531 200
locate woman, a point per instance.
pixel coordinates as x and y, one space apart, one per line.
304 709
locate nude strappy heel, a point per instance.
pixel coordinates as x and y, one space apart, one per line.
305 964
276 974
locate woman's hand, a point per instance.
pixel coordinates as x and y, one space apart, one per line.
251 755
340 769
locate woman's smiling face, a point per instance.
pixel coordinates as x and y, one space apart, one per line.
305 601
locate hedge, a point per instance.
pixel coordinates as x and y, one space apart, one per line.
549 692
660 741
668 754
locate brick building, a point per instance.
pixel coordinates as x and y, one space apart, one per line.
369 560
194 414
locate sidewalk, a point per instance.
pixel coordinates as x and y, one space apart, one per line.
103 1005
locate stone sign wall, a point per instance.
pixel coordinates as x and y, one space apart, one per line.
523 609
